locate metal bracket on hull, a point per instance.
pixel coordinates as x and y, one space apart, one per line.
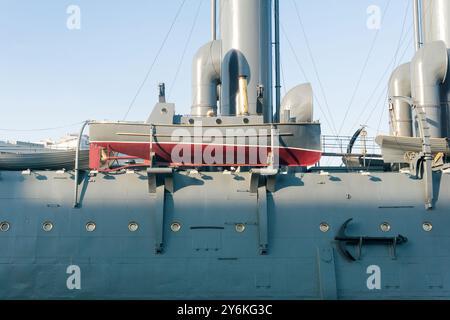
343 240
263 226
426 157
160 180
327 273
158 177
268 180
159 219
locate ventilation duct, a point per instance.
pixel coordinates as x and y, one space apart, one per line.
400 110
428 71
205 79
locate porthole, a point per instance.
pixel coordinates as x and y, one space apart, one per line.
47 226
133 227
175 227
219 121
164 111
90 227
4 226
324 227
240 227
385 227
246 120
427 226
191 121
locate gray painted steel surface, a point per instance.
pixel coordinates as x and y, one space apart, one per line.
208 258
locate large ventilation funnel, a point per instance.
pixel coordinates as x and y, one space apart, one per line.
435 21
246 29
429 71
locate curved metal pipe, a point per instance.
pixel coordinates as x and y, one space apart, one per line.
400 110
206 69
77 165
355 137
429 71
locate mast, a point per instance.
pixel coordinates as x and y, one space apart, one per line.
213 20
277 62
417 25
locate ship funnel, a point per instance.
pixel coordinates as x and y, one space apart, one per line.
435 18
246 33
435 26
429 71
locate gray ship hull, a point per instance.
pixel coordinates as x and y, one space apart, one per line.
208 258
45 160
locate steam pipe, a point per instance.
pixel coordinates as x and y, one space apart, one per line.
213 20
429 71
277 62
76 203
417 25
401 114
205 79
243 96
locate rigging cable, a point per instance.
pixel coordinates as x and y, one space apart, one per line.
43 129
283 77
155 60
392 64
385 87
185 49
366 63
386 98
308 46
410 29
303 72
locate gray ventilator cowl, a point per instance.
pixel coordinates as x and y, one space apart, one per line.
297 105
428 72
400 110
206 68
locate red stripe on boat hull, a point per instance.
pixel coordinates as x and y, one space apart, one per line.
287 156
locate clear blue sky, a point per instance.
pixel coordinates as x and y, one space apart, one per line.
51 76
